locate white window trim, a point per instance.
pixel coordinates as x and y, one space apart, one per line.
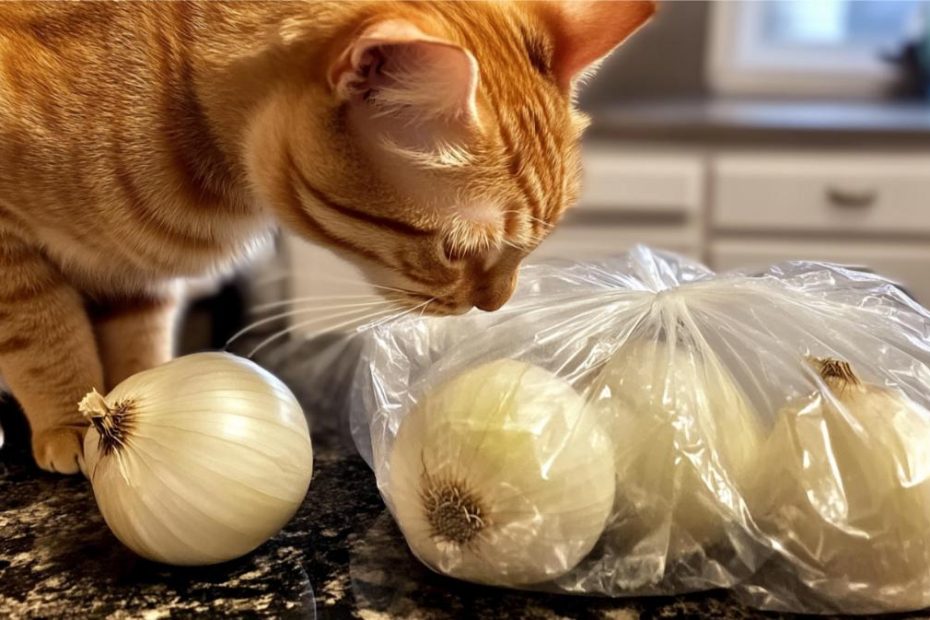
737 64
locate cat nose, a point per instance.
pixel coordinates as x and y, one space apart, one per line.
492 295
490 303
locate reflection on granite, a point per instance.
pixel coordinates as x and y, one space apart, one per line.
340 557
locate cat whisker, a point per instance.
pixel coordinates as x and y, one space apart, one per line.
298 312
532 218
355 320
425 306
396 316
515 246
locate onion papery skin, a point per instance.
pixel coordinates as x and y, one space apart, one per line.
215 460
516 449
842 491
686 441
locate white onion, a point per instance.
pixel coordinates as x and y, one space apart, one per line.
843 490
501 476
686 441
197 461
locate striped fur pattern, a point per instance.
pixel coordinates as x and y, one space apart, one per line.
144 143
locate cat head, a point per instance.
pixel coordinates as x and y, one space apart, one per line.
435 144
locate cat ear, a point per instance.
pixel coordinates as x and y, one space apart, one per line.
396 66
587 31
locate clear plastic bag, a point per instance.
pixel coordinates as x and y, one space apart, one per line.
642 425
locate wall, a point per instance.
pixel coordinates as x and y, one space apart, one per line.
664 59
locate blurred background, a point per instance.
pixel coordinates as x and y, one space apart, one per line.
737 133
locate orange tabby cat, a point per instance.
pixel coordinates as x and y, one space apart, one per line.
143 143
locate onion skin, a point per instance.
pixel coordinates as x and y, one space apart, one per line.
686 441
215 458
843 493
501 476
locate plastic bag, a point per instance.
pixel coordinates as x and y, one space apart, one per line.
764 432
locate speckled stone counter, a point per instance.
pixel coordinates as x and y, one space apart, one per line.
340 557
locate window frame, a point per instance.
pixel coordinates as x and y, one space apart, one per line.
739 63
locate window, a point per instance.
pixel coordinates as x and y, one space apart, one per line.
809 47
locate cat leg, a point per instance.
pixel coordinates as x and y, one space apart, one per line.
48 356
134 334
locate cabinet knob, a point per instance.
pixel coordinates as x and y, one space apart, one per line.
851 198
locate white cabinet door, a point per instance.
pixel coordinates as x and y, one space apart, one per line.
629 198
619 181
827 193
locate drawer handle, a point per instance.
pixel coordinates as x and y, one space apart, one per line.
851 198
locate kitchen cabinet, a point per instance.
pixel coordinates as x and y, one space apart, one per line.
729 205
869 211
633 197
827 193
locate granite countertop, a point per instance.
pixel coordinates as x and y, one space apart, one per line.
340 557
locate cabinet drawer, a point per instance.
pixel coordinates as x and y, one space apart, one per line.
905 263
886 194
642 183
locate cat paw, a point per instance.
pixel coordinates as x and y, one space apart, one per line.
60 449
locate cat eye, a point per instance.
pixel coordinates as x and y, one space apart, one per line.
451 254
539 54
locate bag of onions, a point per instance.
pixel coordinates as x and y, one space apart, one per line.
642 425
